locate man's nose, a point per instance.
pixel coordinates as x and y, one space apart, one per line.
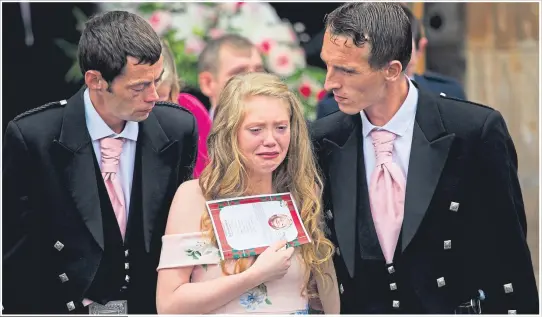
153 94
331 83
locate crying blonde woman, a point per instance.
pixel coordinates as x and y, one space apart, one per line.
259 144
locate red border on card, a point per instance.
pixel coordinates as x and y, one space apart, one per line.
219 229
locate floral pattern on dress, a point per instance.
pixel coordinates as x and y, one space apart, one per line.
202 248
254 298
301 312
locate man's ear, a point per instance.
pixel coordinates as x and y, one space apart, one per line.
94 80
393 71
206 83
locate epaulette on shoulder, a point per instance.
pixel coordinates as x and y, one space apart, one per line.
49 105
171 105
443 95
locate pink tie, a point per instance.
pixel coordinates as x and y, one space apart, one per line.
386 194
111 149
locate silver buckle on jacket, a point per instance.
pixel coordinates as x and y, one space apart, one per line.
115 307
469 308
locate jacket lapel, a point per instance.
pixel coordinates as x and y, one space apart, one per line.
343 176
429 151
74 157
158 157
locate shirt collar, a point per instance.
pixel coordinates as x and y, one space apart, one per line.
402 119
98 129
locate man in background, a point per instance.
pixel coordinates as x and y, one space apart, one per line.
434 82
222 59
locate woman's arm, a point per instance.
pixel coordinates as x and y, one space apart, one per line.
175 294
328 290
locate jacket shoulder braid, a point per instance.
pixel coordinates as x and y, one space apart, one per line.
50 105
171 105
465 101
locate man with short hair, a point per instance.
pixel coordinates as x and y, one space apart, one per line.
88 181
422 194
432 81
223 58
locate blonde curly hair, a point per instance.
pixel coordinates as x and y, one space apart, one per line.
225 175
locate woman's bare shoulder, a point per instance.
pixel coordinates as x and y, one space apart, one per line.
191 187
187 208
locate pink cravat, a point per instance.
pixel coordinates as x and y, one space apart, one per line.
111 149
386 194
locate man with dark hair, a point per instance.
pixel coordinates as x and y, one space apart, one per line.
422 195
89 181
431 81
221 59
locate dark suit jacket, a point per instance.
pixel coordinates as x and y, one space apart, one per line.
431 81
50 195
461 152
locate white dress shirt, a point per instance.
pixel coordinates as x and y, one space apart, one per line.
98 129
402 124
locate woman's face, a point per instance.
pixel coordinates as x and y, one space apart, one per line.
264 134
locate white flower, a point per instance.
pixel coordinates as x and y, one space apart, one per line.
160 21
229 7
276 33
194 21
186 26
241 23
253 16
298 56
283 32
280 61
261 11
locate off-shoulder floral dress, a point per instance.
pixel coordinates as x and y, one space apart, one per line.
282 296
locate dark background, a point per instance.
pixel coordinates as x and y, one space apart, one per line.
33 76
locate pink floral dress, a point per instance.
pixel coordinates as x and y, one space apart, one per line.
282 296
